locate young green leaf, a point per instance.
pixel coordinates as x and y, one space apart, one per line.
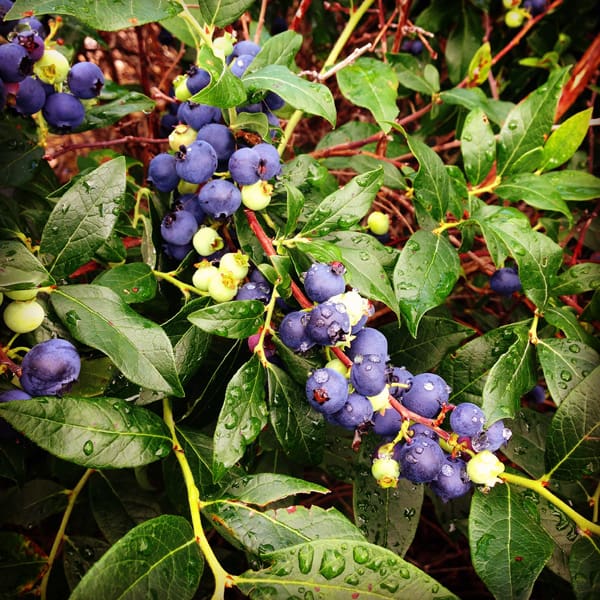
294 206
577 279
236 319
133 282
426 271
372 84
480 65
410 75
508 547
83 219
108 113
159 555
96 433
20 268
140 348
242 416
574 185
281 49
478 146
222 12
573 448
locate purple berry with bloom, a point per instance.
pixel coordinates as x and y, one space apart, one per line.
327 390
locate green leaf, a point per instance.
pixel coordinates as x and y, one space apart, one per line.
565 362
478 146
225 90
535 191
436 337
339 568
496 110
480 65
79 554
20 268
312 98
140 348
574 185
426 271
105 15
235 320
409 74
20 151
160 555
222 12
281 49
22 563
526 126
242 416
577 279
584 564
30 504
563 318
83 219
299 428
294 206
508 547
573 448
296 365
511 377
108 113
432 184
372 84
133 282
463 42
565 140
345 207
99 433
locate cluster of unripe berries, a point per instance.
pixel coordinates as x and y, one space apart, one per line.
517 12
35 76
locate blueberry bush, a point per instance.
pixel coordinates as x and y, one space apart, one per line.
300 300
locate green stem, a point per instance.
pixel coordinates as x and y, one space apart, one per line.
537 485
204 33
260 347
532 333
60 534
222 578
447 225
185 288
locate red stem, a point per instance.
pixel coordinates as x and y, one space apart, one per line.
14 368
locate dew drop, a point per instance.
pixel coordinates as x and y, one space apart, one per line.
574 348
305 559
88 447
361 554
566 376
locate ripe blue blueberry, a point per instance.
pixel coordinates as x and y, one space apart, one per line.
492 438
327 390
33 24
6 26
419 429
399 380
197 115
328 323
162 173
32 42
196 163
269 165
15 63
368 341
245 47
387 423
50 368
254 291
452 480
190 203
63 111
323 280
178 227
85 80
244 165
535 7
505 281
292 331
30 97
197 79
273 101
368 374
420 459
177 252
220 198
240 63
357 411
15 394
221 139
427 394
467 419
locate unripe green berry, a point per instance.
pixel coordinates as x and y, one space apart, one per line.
378 222
222 287
204 272
206 241
257 196
337 365
181 89
222 46
356 306
52 68
508 4
513 18
185 187
386 471
182 135
484 468
23 316
235 263
21 294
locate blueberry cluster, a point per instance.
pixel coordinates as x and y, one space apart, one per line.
35 76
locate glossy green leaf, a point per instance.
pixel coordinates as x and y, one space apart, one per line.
566 139
236 319
256 122
471 98
577 279
584 563
20 151
140 348
535 191
563 318
345 207
20 268
30 504
339 568
99 433
160 556
298 427
310 97
79 554
478 146
565 362
372 84
222 12
242 416
436 337
573 446
105 15
574 185
480 65
22 563
432 184
108 113
281 49
511 377
426 271
410 74
133 282
508 547
296 365
526 126
463 42
83 219
294 206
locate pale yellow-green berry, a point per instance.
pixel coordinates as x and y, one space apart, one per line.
386 471
484 468
23 316
182 135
